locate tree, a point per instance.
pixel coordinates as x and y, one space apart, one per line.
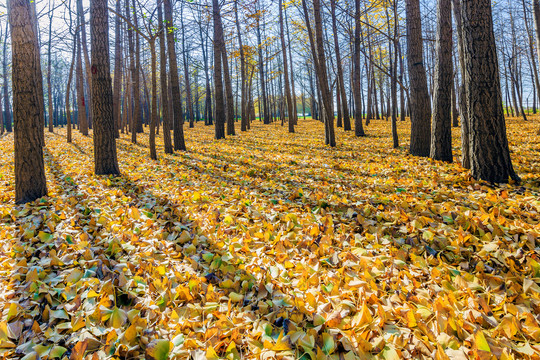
164 85
105 160
358 127
290 107
490 155
117 71
7 111
30 182
419 95
218 80
441 131
340 83
536 11
178 117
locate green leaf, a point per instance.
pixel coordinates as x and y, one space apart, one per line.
45 237
328 344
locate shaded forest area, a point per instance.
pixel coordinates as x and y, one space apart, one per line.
238 179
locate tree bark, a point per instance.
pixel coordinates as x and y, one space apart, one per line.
49 85
189 102
441 131
7 108
463 110
118 51
420 100
178 116
490 155
82 120
164 85
339 65
218 78
358 126
68 89
266 112
30 182
290 107
106 162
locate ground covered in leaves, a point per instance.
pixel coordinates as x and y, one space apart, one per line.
270 245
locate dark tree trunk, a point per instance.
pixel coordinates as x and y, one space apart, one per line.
68 89
358 127
536 11
420 100
7 107
463 110
441 132
490 155
229 103
135 92
178 125
341 84
106 162
218 78
49 84
82 120
153 110
164 85
317 45
30 182
290 107
266 112
118 51
243 98
185 54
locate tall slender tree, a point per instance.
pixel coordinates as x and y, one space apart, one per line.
290 107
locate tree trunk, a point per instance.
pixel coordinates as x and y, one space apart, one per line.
30 182
218 78
68 89
266 113
106 162
189 102
164 85
82 120
7 109
420 101
339 65
317 45
290 107
118 51
49 85
153 110
229 103
463 110
441 131
135 86
490 155
178 125
358 127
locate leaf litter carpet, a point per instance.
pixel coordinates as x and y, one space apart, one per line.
271 245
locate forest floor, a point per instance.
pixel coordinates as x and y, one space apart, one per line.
271 245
